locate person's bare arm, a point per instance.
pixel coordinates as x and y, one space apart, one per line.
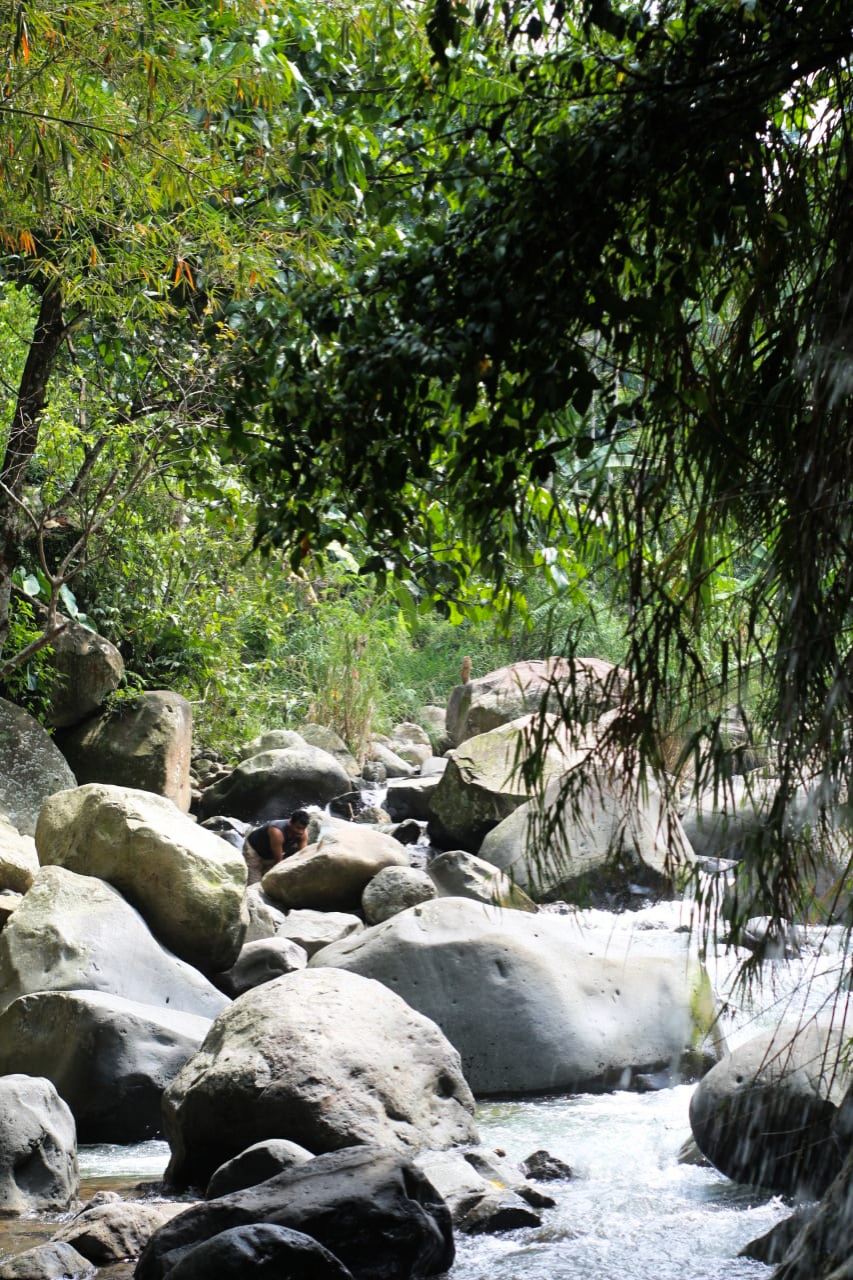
276 836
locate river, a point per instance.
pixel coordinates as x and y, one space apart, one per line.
632 1211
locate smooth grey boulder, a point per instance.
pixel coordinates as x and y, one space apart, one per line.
313 930
256 1164
274 783
260 962
458 874
411 743
145 744
484 783
111 1232
272 740
52 1261
393 763
38 1147
332 873
384 1074
317 735
18 858
535 1003
260 1251
395 889
410 797
31 768
370 1207
610 838
109 1058
587 686
90 668
186 882
764 1114
73 933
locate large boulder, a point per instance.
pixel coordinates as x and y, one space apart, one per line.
31 768
764 1114
371 1208
73 933
534 1003
486 703
145 744
90 669
484 782
605 840
18 858
38 1147
324 1058
187 882
274 783
109 1058
332 874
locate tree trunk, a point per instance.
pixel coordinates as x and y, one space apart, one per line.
23 437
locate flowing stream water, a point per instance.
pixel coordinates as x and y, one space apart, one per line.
632 1211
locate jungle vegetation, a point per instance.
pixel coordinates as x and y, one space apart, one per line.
514 311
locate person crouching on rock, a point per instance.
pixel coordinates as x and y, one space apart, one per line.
268 844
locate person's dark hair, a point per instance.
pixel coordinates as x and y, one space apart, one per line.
300 815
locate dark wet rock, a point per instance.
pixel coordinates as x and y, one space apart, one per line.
256 1164
370 1207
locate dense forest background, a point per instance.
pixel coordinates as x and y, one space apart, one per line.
340 340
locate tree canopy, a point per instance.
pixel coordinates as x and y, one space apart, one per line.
481 293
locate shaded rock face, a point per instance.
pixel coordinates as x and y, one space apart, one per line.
483 784
271 785
145 744
31 768
410 797
764 1114
38 1147
613 842
74 932
187 882
90 668
822 1250
371 1208
109 1058
533 1003
521 689
386 1075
